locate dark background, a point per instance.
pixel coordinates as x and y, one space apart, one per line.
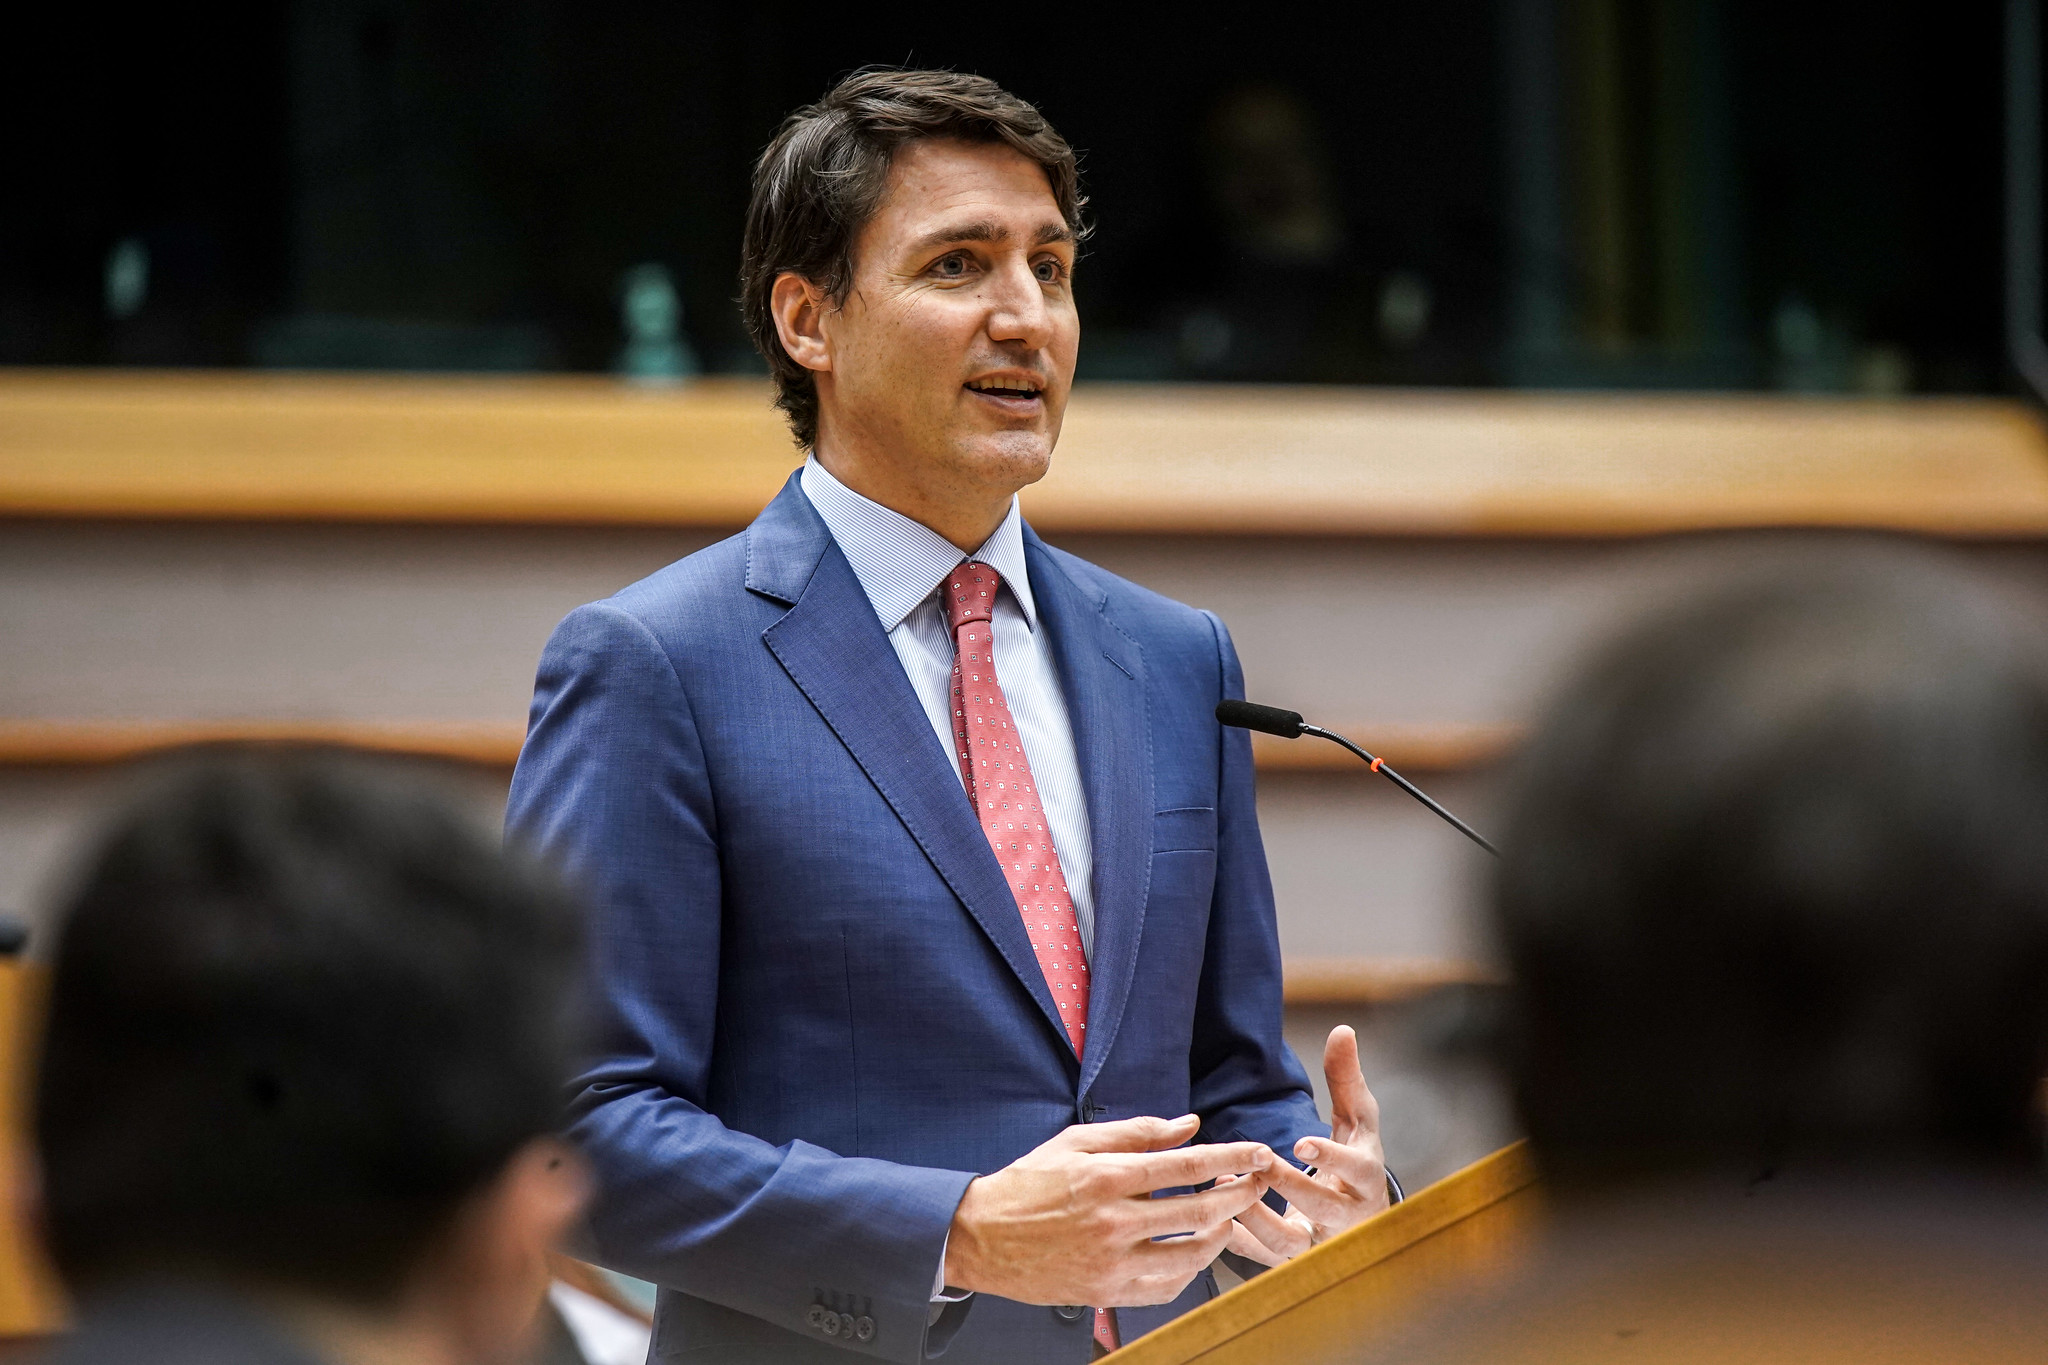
1663 193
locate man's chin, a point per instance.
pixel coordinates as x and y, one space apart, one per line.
1015 458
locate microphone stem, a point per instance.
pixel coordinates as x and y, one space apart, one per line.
1380 766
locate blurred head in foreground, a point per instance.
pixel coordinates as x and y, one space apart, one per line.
1775 884
306 1037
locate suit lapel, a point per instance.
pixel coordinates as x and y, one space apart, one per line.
1102 672
836 652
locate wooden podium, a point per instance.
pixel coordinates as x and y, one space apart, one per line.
31 1305
1358 1288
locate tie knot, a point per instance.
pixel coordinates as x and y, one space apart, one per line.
971 593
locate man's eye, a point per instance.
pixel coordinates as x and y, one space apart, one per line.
951 267
1050 271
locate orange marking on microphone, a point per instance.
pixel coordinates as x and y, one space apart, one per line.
1376 764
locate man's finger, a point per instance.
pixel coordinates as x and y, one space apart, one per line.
1165 1268
1321 1203
1354 1166
1194 1212
1352 1107
1197 1165
1252 1248
1282 1237
1141 1134
1358 1171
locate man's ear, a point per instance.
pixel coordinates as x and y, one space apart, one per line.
494 1270
798 307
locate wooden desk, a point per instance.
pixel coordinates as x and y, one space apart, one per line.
1144 459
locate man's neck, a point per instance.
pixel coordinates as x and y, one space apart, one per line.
966 517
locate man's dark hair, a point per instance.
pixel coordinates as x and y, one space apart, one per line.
299 1011
822 178
1776 879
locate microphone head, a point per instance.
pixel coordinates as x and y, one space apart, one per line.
1249 715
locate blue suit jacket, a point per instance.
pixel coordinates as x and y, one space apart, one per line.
818 1015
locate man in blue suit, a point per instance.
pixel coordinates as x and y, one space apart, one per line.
933 921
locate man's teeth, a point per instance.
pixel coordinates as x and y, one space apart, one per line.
1008 390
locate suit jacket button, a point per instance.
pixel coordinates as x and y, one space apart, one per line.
1069 1312
846 1324
828 1322
816 1317
864 1329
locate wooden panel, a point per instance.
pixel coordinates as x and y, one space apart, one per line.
1315 981
1362 462
1409 748
1134 458
30 1302
1336 1300
380 449
67 743
46 743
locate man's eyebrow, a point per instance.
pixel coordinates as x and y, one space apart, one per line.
986 231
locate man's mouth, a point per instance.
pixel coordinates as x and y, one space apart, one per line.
1013 389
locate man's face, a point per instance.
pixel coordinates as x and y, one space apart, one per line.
953 352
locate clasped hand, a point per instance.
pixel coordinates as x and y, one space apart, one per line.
1075 1220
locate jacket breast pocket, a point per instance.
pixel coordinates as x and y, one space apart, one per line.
1188 829
1177 903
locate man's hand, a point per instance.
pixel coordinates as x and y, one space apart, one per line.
1350 1183
1073 1221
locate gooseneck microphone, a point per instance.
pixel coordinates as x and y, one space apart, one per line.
1271 720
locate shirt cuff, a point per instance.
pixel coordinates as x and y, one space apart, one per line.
940 1294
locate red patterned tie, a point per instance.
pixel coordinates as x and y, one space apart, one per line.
1005 796
1000 785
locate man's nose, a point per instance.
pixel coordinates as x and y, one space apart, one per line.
1017 307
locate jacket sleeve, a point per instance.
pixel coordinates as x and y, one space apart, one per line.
612 788
1246 1083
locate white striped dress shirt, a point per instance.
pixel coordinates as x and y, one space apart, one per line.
901 564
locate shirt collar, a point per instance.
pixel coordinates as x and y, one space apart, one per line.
901 562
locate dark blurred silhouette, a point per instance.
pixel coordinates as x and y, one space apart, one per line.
1775 904
301 1074
1777 880
1277 294
1271 282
